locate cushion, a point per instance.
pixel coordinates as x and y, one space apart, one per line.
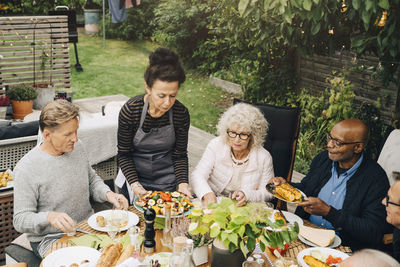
19 130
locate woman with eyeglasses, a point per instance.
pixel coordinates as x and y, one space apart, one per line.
235 164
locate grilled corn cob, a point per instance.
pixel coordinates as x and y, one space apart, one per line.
288 192
313 262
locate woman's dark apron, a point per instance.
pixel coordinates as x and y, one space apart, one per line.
152 155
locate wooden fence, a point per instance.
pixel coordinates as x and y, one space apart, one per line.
313 72
34 50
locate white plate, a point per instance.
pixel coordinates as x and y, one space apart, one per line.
141 209
290 217
336 242
326 251
133 219
67 256
162 257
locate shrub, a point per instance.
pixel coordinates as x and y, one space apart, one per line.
21 93
182 25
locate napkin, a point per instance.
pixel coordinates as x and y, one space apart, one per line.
100 241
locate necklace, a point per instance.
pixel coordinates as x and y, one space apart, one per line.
239 161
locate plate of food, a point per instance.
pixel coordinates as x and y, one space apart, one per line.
335 243
6 180
163 258
156 200
317 237
98 221
286 217
71 256
286 192
319 256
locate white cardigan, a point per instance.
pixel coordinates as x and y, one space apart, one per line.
214 172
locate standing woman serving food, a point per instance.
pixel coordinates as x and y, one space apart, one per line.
153 132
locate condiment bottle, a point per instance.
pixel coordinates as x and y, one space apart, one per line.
167 237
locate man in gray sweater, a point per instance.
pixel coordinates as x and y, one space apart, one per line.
54 181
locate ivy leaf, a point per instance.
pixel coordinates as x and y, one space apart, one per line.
214 232
315 28
384 4
233 238
307 5
242 247
242 6
369 4
251 244
366 16
262 246
241 231
285 236
356 4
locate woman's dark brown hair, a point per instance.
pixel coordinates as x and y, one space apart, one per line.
165 66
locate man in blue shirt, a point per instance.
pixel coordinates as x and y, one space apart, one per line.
345 188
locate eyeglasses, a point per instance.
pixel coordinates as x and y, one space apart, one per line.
339 143
389 202
242 136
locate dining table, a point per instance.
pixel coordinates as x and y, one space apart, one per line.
294 248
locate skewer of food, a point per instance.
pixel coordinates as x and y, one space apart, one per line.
156 200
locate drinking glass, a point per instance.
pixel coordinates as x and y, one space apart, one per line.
113 223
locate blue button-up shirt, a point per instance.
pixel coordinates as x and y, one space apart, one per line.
334 191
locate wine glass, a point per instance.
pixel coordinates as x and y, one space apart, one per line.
113 223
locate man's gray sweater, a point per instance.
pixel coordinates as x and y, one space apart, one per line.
45 183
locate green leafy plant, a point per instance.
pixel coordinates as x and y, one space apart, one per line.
21 93
241 227
200 240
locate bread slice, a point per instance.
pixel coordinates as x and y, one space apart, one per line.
320 237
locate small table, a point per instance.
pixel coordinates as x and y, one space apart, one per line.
294 249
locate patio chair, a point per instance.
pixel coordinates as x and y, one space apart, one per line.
284 126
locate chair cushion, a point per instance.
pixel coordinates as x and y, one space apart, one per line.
21 254
19 130
283 123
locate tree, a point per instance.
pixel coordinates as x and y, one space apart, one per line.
324 26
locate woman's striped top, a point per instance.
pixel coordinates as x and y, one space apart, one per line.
128 124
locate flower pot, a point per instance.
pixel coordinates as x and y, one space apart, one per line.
45 95
3 112
21 108
92 18
200 255
222 257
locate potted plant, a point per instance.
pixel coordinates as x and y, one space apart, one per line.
4 102
44 87
21 97
237 230
200 247
92 11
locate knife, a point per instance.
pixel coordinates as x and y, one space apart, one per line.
82 231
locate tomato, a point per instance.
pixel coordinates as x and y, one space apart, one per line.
333 260
280 250
165 196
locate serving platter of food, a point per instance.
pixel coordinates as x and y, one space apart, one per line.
6 180
98 221
320 257
286 192
71 256
180 203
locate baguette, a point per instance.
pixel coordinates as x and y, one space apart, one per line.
110 255
125 254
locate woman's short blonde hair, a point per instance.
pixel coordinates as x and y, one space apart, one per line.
56 113
246 117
